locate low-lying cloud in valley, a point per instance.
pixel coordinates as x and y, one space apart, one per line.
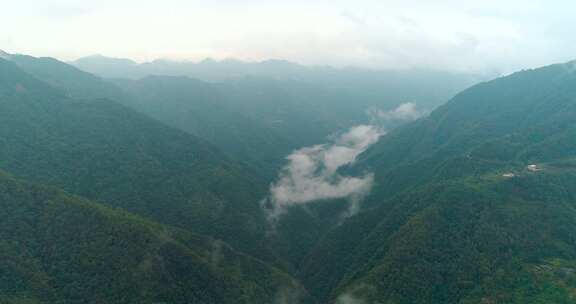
407 111
312 172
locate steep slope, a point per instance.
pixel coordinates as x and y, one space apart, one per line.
520 119
473 204
57 248
261 120
282 115
109 67
334 97
254 122
262 111
428 88
484 240
187 104
74 83
109 153
201 109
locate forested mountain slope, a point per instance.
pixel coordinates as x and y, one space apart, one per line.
263 111
204 110
473 204
523 118
489 239
74 83
58 248
109 153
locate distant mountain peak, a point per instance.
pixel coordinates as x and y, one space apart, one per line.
278 61
208 61
4 55
105 59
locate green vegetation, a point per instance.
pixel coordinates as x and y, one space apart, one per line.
111 154
445 225
57 248
203 110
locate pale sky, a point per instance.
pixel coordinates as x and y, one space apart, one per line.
493 35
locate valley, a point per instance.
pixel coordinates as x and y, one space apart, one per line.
283 184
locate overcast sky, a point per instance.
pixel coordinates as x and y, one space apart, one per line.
493 35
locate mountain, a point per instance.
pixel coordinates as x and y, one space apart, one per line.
109 67
473 204
205 110
202 109
255 122
59 248
484 240
111 154
260 118
353 89
74 83
517 120
255 117
427 88
220 70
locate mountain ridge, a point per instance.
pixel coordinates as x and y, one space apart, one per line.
459 190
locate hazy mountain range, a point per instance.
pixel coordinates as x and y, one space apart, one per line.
231 182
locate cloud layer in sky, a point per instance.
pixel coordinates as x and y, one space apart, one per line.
445 34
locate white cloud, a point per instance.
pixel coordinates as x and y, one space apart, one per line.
405 112
312 172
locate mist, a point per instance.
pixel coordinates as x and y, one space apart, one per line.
405 112
312 173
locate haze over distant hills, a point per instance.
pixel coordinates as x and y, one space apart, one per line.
219 70
241 105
